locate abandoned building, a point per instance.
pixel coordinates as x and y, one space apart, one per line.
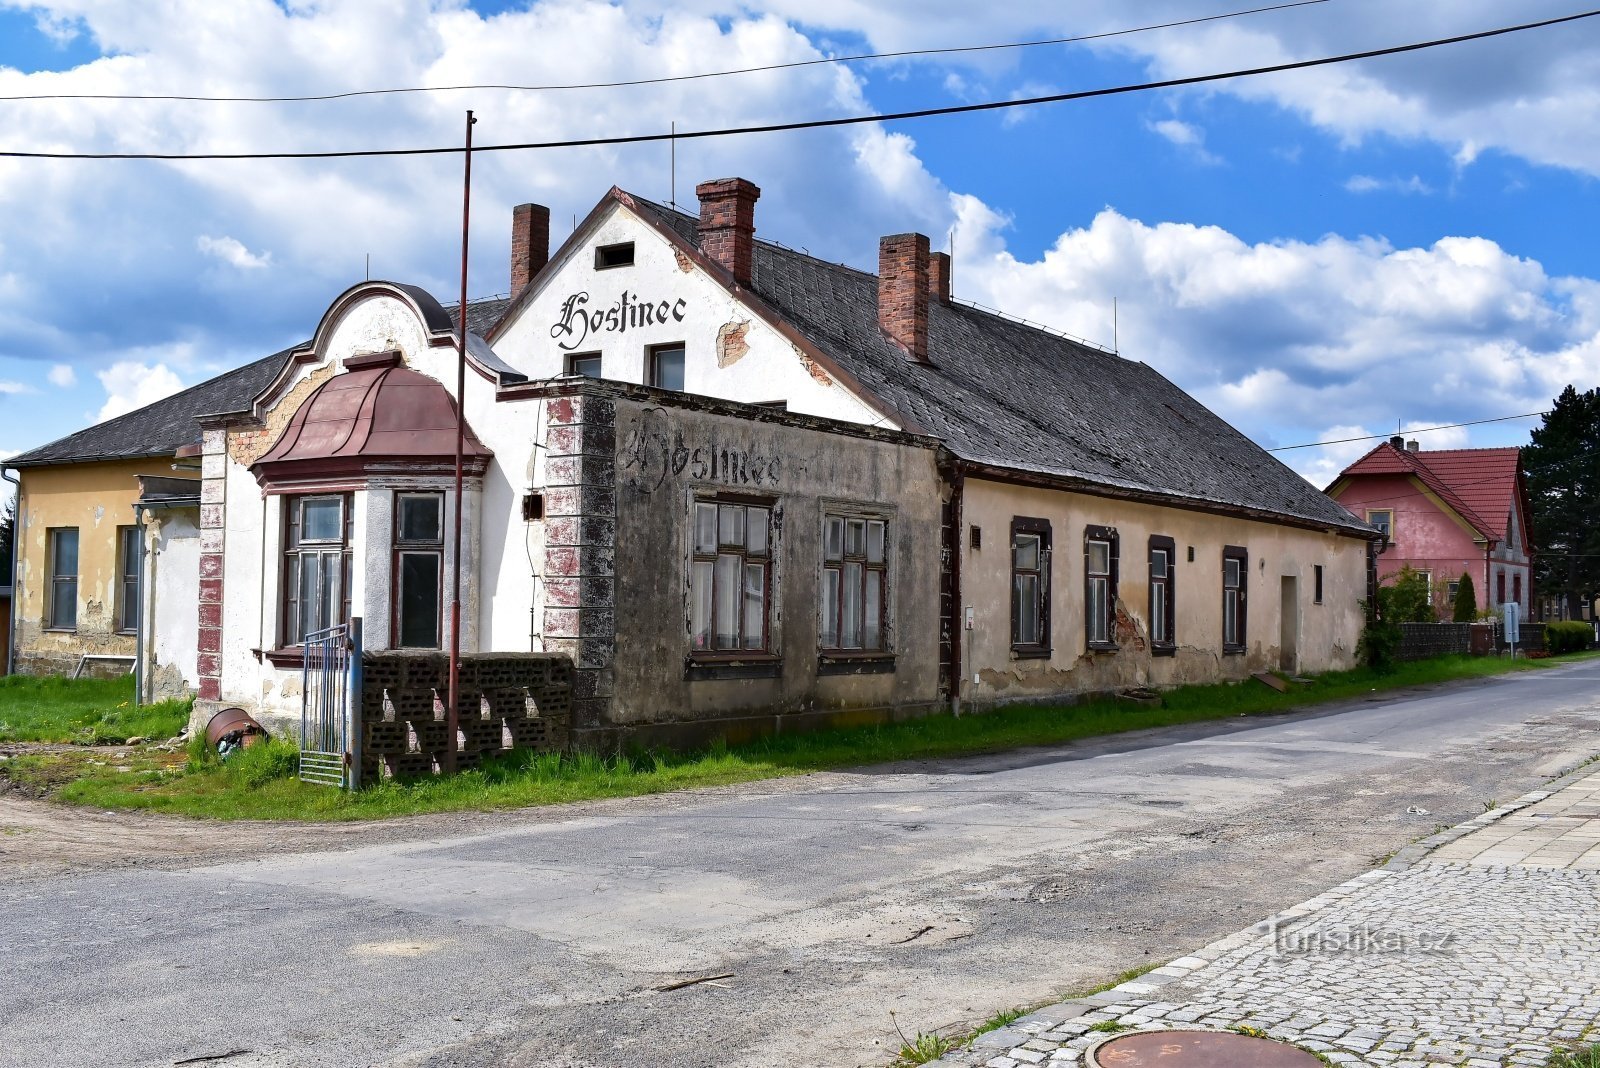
741 489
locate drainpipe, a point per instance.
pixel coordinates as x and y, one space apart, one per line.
16 539
145 588
958 671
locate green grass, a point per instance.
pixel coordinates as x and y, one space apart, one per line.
1581 1057
84 711
1003 1018
259 783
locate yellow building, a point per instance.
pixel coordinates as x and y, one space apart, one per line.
84 537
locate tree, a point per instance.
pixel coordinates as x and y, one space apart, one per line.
1465 609
1405 599
1563 474
8 534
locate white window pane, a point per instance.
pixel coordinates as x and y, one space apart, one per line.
833 537
1099 591
64 604
705 528
667 369
755 604
875 540
1158 612
1026 552
727 583
1230 619
1025 604
855 537
755 526
322 519
419 600
730 525
872 616
850 626
700 604
830 608
1099 558
66 553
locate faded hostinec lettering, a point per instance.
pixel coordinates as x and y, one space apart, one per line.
649 456
578 322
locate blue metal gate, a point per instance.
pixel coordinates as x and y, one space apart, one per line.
330 706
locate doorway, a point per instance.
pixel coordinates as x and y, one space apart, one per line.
1289 626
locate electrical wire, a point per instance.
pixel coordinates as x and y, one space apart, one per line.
817 124
1418 430
665 79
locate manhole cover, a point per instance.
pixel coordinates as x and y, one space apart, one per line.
1200 1049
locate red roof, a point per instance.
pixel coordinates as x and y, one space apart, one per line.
1480 484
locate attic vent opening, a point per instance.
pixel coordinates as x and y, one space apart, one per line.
620 255
532 507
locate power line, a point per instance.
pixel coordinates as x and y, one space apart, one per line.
1418 430
865 57
814 124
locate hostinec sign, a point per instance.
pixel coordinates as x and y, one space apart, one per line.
577 322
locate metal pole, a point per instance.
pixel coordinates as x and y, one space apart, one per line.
453 695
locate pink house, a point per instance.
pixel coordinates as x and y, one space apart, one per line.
1447 513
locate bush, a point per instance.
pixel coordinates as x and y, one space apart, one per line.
1405 599
1465 610
1567 636
1380 641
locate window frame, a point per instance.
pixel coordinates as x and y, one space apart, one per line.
600 251
1242 608
652 359
56 579
292 546
710 655
867 517
1387 527
1167 646
127 578
401 546
1107 536
572 359
1031 526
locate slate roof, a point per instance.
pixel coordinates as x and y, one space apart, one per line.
1004 394
163 427
1482 485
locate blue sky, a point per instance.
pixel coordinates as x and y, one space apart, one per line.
1313 255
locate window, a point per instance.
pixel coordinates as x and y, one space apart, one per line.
1427 583
1516 588
63 578
1500 588
1030 587
665 367
127 579
1100 586
586 364
1383 519
730 577
1235 577
1452 590
619 255
1316 585
316 565
1163 613
418 569
855 584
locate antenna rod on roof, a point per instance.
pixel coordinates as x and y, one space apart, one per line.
452 713
369 266
673 166
1116 348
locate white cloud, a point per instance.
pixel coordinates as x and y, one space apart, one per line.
1278 336
130 385
232 251
63 376
1365 183
1186 136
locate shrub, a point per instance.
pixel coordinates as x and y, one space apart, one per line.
1567 636
1465 610
1405 598
1380 640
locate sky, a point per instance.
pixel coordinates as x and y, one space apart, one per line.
1322 254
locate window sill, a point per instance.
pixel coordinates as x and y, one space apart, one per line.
1163 650
1103 647
699 667
293 656
1233 650
855 664
1029 652
61 630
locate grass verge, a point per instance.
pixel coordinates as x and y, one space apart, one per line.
82 711
259 783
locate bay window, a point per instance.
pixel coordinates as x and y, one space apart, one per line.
315 579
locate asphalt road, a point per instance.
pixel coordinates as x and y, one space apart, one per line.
937 891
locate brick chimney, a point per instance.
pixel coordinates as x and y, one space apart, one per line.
530 244
904 285
1413 446
939 277
728 224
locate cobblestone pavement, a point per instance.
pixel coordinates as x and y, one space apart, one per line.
1479 948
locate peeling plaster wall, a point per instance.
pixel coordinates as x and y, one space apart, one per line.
729 352
1327 632
96 498
661 465
171 591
